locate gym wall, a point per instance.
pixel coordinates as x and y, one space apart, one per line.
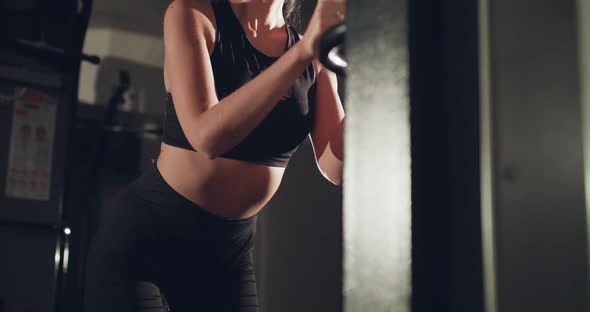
540 206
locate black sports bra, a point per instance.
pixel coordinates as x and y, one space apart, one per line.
235 61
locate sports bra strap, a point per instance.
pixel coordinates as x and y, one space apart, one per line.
225 18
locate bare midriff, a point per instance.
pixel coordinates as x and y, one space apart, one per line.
229 188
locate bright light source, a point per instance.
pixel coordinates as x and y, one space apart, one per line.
67 231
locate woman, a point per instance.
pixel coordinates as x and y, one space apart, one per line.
243 91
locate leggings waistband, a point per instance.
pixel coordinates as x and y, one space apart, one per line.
152 186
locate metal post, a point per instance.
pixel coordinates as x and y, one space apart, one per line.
377 190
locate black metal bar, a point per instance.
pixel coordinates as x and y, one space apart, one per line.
446 226
332 38
47 53
17 226
68 294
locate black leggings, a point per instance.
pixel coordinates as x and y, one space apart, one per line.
149 232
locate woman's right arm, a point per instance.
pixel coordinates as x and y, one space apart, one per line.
211 126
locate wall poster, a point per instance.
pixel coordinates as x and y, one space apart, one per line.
31 145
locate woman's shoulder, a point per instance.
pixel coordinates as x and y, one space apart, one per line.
190 17
199 11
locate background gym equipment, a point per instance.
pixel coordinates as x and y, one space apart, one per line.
40 234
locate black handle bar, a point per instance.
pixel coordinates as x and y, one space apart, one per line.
333 38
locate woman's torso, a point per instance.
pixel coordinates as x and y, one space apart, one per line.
227 187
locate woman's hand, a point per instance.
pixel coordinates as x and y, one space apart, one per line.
327 14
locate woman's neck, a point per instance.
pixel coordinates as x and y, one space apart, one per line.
259 16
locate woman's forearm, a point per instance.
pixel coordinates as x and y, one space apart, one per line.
225 124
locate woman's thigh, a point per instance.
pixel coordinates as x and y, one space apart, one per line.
198 262
114 259
221 289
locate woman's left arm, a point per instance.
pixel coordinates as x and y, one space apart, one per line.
327 134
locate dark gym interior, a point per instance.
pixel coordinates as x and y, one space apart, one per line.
467 150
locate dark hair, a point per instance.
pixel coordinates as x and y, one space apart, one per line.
291 10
